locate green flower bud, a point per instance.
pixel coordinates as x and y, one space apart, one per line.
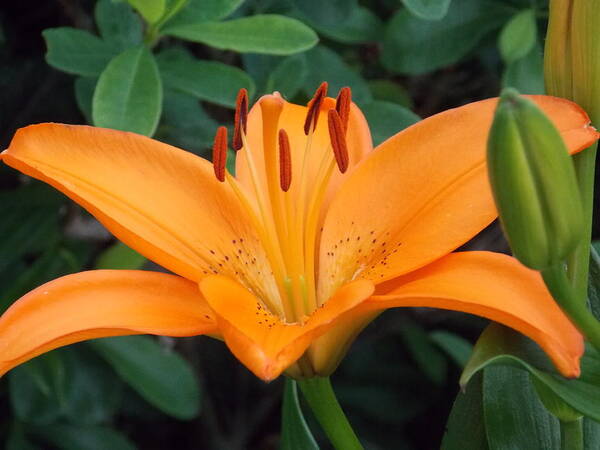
534 183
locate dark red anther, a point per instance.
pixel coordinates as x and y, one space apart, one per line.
314 108
220 153
338 139
241 118
285 161
342 105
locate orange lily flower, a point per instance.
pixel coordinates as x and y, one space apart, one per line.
286 262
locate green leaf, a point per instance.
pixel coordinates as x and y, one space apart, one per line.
269 33
30 217
77 437
77 51
289 76
128 95
466 420
390 91
212 81
295 434
362 26
386 119
120 256
161 377
428 9
457 347
198 11
54 262
415 46
84 93
514 416
501 345
92 393
591 434
594 283
429 359
37 389
326 65
118 24
185 123
518 36
329 13
527 73
151 10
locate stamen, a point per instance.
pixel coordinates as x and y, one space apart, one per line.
220 153
338 139
314 108
342 105
285 161
241 118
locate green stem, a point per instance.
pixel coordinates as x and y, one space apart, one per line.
579 260
571 435
323 402
561 289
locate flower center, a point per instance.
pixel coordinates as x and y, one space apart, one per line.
285 202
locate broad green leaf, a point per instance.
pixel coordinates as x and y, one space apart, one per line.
457 347
591 434
594 283
326 65
77 51
161 377
415 46
326 13
295 434
30 217
390 91
84 93
267 33
118 24
526 74
54 262
120 256
428 9
260 67
465 429
518 36
362 26
93 392
514 416
386 119
185 123
37 389
288 77
198 11
151 10
77 437
212 81
427 356
128 95
503 346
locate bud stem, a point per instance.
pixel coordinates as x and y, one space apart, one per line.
563 292
571 435
579 260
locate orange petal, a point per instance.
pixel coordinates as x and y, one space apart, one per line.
162 201
422 193
101 303
259 339
494 286
292 121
